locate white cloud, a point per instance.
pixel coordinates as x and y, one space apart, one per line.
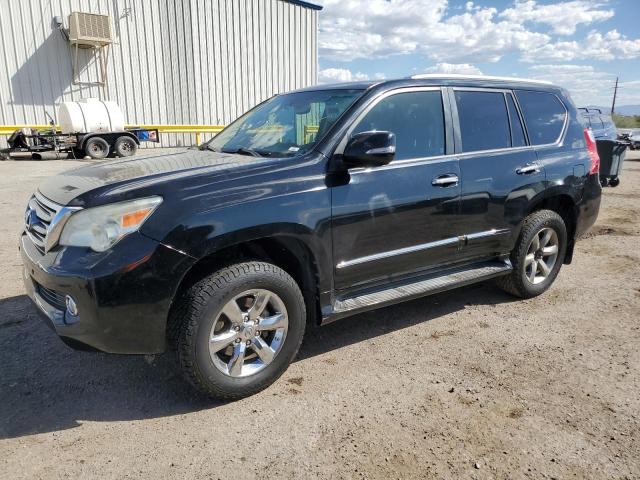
336 75
461 68
563 18
610 46
586 85
351 29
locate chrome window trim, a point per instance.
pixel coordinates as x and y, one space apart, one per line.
420 247
449 156
343 142
558 141
565 125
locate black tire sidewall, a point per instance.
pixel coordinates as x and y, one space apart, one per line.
540 220
96 140
294 304
118 146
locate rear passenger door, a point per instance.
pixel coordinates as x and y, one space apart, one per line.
500 174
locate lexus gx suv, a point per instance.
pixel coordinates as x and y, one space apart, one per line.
315 205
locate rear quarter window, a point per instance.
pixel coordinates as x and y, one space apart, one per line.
544 116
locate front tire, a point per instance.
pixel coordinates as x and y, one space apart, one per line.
537 256
239 329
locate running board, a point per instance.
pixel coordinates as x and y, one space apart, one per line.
419 287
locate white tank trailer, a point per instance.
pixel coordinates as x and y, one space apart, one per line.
90 127
90 115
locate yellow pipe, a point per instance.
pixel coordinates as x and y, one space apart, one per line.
197 129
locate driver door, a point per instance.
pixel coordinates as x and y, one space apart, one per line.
401 218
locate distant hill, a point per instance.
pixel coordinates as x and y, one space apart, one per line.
628 110
621 109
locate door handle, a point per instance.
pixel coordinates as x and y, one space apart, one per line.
528 169
445 180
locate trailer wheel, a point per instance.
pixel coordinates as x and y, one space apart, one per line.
96 147
125 146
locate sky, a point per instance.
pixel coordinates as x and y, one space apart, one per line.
581 45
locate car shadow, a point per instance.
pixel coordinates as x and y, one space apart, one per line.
46 386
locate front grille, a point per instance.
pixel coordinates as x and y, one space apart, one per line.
53 298
38 216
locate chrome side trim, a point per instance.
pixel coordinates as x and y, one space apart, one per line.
399 251
423 246
487 233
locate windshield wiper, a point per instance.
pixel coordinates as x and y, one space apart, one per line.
247 151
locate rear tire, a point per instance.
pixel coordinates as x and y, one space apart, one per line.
125 146
96 147
212 334
537 256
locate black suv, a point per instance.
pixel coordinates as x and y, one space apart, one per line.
315 205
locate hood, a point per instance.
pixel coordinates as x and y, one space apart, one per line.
70 187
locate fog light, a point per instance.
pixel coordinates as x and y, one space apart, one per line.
72 308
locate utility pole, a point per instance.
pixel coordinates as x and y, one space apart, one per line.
615 93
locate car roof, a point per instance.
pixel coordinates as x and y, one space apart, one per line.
439 79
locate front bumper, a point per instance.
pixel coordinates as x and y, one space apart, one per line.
123 295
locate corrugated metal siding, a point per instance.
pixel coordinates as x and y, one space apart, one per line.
173 61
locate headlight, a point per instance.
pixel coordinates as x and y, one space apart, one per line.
101 227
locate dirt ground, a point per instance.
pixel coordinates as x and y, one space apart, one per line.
466 384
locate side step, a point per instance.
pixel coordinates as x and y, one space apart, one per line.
421 286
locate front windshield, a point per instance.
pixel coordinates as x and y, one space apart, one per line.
285 125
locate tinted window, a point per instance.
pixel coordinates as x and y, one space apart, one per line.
285 125
543 114
416 118
517 132
484 124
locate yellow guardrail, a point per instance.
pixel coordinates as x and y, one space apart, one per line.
197 129
309 130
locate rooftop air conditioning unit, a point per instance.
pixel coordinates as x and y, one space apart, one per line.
89 30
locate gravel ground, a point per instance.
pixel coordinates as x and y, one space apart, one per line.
466 384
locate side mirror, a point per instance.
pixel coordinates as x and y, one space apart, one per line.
369 149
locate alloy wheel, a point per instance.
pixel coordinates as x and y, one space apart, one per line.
542 255
248 333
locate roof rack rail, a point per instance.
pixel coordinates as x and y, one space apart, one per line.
591 109
478 77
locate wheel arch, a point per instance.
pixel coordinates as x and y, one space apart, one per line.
285 251
565 206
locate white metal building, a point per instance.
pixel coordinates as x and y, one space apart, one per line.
200 62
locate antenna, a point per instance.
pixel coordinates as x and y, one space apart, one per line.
615 93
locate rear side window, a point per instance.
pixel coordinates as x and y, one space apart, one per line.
544 115
484 123
517 132
416 118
